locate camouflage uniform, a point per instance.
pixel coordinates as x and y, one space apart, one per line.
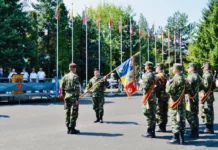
192 104
207 111
175 89
162 105
71 90
98 96
149 108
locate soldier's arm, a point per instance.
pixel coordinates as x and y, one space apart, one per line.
64 85
77 86
147 79
206 82
89 84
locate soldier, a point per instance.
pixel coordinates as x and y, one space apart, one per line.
176 90
71 92
149 99
207 98
162 96
192 106
97 95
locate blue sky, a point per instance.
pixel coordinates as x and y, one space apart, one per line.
155 11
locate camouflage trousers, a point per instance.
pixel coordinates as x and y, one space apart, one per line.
178 119
162 111
98 105
207 111
149 110
192 113
71 112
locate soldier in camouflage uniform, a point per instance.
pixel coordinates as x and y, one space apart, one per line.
176 90
162 97
149 108
192 107
207 112
71 92
98 95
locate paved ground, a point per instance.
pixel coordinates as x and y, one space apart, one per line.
40 126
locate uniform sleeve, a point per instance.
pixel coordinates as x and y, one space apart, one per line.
147 80
206 81
77 84
64 85
89 84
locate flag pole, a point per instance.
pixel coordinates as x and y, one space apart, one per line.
140 56
72 32
86 48
110 53
180 47
148 49
121 43
57 43
155 48
130 37
162 49
175 45
169 49
99 44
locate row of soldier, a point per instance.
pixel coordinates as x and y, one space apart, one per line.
181 93
181 96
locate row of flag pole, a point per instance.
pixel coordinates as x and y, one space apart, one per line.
110 26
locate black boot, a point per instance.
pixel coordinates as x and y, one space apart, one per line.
197 133
211 130
153 132
74 131
182 137
149 134
175 139
101 119
161 128
207 129
68 130
164 128
97 118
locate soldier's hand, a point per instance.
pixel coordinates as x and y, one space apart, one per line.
105 78
77 102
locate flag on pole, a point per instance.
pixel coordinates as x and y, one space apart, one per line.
131 29
56 13
168 36
85 18
140 31
110 24
98 21
174 39
162 36
121 25
126 72
149 35
71 14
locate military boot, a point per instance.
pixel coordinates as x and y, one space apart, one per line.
197 133
161 128
97 118
101 119
68 130
175 139
153 132
211 130
74 131
182 137
149 134
207 129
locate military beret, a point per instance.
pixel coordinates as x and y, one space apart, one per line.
177 66
96 69
148 63
72 65
207 64
192 65
160 65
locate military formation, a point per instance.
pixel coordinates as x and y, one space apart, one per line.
179 95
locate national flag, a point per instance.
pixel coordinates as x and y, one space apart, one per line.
98 21
140 32
71 14
149 35
131 29
174 39
56 13
85 18
168 36
110 24
126 71
162 36
121 25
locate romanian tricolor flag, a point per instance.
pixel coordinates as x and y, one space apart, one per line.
121 25
110 24
126 71
85 18
98 21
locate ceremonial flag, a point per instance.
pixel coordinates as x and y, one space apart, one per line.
85 18
71 14
140 31
162 36
121 25
174 39
148 30
98 21
56 13
110 24
126 71
131 29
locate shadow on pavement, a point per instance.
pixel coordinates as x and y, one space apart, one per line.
4 116
101 134
121 122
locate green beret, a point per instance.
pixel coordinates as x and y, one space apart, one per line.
148 63
177 66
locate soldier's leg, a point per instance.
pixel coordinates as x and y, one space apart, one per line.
101 108
95 103
73 116
182 124
175 127
67 106
210 116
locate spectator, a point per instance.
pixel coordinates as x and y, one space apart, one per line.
11 74
33 76
41 77
25 76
